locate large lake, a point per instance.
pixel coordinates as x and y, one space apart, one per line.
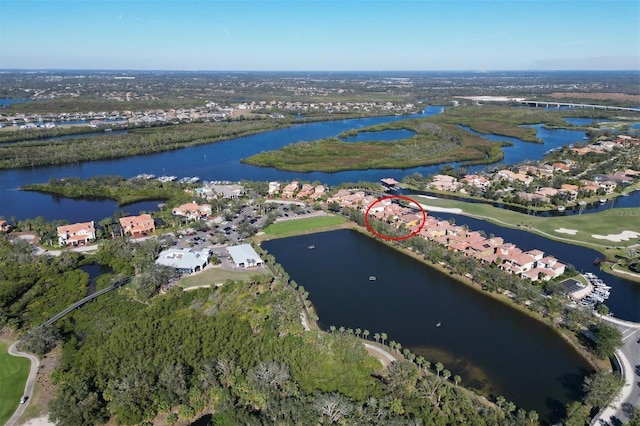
494 348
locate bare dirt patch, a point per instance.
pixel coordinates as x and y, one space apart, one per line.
598 96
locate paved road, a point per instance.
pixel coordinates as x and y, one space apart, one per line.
31 381
382 352
629 356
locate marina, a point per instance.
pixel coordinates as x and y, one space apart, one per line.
598 294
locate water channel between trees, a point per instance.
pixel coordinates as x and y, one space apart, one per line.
494 348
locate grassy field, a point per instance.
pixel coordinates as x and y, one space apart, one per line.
13 376
613 221
286 227
213 276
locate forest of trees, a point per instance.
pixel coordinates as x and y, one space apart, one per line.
238 352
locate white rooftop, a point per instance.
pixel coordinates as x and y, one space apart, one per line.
245 254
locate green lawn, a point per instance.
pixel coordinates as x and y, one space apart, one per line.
303 224
215 275
13 376
613 221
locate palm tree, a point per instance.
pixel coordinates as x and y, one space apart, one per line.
420 361
500 401
341 329
358 332
398 347
409 355
392 344
439 368
376 337
457 379
365 334
332 328
383 337
446 374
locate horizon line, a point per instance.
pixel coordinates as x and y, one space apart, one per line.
478 71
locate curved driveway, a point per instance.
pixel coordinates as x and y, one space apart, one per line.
629 357
31 381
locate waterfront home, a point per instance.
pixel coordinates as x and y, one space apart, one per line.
184 261
193 211
76 233
589 187
543 170
390 183
561 167
546 192
570 190
582 151
478 181
444 183
608 186
137 226
274 188
512 176
290 190
305 191
318 192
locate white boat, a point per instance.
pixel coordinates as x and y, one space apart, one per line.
560 208
311 247
438 324
603 200
372 278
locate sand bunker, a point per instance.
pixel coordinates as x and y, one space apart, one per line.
616 238
566 231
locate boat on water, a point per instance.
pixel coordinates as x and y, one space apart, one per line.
439 324
372 278
311 247
603 200
560 208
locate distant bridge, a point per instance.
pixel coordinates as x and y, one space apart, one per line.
548 104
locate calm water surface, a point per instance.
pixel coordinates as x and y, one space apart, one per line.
494 348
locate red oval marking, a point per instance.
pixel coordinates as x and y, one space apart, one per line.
388 237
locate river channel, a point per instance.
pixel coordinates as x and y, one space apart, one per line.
221 161
495 349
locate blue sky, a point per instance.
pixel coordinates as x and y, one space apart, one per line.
320 35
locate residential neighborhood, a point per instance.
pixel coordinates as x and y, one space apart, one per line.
566 177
